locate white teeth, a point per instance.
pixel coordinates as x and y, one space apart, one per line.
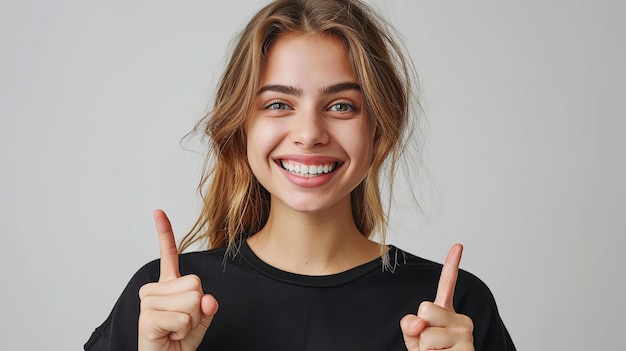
308 171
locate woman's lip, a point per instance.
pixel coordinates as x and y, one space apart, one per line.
325 162
293 166
309 159
308 180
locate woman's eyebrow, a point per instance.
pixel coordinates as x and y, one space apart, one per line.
333 89
284 89
291 90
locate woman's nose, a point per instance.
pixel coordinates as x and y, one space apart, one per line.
308 129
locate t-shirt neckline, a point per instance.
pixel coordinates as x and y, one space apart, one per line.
316 281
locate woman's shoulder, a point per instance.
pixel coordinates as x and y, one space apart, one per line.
120 328
410 266
195 262
472 297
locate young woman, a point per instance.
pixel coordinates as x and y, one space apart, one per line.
315 99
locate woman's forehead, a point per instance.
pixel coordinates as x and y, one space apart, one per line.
301 59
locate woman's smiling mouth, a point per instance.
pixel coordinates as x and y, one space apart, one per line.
308 170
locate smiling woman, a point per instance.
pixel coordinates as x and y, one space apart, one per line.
320 120
314 101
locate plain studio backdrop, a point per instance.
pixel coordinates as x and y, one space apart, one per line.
523 154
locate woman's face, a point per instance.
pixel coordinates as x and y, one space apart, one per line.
309 138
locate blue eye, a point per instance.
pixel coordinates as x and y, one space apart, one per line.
278 105
342 107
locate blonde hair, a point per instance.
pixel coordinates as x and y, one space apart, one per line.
235 204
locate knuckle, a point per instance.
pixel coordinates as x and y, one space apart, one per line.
184 320
425 309
190 301
145 304
192 282
195 297
465 336
195 280
145 290
467 322
469 336
142 293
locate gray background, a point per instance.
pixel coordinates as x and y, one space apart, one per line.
524 157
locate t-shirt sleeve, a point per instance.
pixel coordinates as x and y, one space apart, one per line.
476 301
119 330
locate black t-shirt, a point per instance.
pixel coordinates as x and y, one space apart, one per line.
264 308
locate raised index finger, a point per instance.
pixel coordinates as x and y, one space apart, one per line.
447 280
167 245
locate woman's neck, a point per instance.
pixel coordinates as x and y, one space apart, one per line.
321 243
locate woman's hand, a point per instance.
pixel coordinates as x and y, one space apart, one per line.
436 326
175 313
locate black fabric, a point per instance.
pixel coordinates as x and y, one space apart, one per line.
264 308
